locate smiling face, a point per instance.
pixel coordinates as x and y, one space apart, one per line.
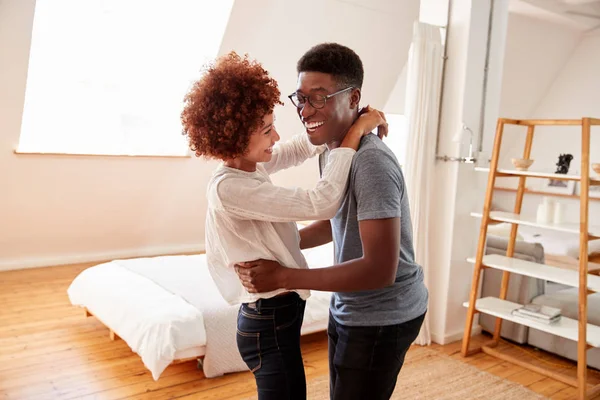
260 148
327 125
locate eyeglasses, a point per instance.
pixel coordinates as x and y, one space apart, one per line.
315 100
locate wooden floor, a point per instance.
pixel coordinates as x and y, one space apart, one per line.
48 350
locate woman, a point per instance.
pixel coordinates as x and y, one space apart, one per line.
228 115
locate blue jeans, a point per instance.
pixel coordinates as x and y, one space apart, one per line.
364 361
268 339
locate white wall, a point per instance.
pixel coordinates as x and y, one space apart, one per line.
537 52
68 209
61 209
463 29
453 233
573 93
396 99
462 231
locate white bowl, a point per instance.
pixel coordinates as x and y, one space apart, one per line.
521 164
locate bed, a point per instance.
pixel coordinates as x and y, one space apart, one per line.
168 310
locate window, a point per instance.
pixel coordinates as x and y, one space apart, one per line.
397 138
109 77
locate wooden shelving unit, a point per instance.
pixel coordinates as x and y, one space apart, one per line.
579 330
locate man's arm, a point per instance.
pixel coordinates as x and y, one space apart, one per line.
374 270
315 234
378 189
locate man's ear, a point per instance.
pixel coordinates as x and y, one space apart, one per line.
355 96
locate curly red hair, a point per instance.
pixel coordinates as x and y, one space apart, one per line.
224 107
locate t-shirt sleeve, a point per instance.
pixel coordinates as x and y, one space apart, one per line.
378 185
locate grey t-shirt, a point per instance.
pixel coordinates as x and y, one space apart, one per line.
376 190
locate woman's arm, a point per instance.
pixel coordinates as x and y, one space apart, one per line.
292 153
299 149
252 199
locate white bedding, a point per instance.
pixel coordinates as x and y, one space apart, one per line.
156 305
553 242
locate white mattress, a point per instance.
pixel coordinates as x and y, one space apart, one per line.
155 304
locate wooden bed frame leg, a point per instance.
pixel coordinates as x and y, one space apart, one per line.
113 335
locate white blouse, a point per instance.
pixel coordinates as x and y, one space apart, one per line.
250 218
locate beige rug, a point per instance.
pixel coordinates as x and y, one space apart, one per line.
428 374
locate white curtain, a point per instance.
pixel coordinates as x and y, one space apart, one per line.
422 107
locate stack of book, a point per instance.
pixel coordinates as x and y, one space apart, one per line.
539 313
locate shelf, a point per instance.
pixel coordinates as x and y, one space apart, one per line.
594 180
540 193
566 327
541 271
518 219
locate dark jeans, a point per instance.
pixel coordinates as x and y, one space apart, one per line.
364 361
268 338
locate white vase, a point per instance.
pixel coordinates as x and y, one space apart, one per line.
549 208
542 215
559 213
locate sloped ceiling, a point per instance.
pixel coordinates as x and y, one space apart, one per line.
581 15
277 33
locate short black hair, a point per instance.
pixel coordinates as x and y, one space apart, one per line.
333 58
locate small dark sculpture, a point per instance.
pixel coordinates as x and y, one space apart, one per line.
564 161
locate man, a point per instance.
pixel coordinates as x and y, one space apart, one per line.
380 299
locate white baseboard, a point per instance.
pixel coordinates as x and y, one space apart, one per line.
453 337
24 263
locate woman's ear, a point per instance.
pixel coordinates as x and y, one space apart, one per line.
355 98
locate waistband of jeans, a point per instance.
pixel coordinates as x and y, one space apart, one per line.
275 302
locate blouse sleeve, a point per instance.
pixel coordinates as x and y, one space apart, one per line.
291 153
252 199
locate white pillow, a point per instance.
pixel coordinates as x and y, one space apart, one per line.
502 230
